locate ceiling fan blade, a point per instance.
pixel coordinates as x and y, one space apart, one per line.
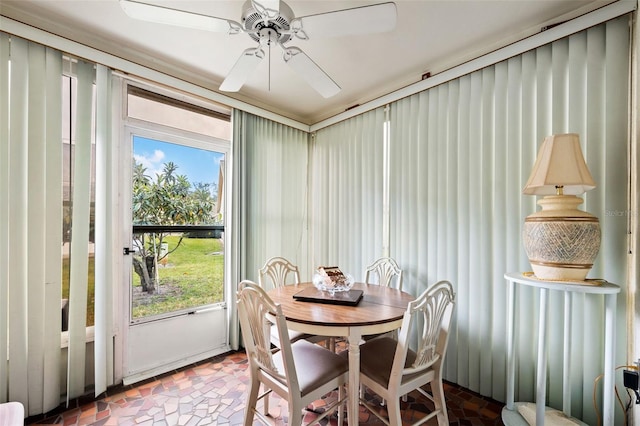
244 66
310 72
180 18
377 18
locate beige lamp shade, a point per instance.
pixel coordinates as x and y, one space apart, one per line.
560 163
561 241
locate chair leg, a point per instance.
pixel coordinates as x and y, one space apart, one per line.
439 402
295 413
330 344
251 402
393 411
265 402
341 406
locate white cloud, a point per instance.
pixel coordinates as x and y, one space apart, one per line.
153 163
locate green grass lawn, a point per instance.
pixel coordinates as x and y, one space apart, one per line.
192 277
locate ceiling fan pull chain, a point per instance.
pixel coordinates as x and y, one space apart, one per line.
269 72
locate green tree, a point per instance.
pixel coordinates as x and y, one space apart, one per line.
168 200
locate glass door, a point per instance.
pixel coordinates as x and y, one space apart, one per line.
174 292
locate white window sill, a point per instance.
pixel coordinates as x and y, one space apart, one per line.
64 337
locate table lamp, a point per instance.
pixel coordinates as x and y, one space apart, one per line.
561 241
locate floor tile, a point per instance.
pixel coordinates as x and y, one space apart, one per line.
212 392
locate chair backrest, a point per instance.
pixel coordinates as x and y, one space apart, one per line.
386 269
430 316
279 271
257 313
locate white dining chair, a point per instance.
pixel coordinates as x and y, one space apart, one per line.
300 372
276 272
391 369
384 271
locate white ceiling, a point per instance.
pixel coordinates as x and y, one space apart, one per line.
430 36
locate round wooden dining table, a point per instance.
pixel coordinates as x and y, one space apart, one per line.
380 310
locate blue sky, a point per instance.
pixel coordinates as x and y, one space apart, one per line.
197 164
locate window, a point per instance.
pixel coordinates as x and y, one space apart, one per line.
178 165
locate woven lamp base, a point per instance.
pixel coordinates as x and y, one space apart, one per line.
561 241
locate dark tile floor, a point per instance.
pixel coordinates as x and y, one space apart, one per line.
212 392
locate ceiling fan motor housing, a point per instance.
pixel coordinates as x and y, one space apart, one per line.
253 21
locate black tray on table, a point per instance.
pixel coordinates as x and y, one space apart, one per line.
312 294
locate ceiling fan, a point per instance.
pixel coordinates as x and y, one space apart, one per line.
273 23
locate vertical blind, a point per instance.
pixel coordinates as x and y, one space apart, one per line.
80 219
105 227
31 231
460 155
272 162
30 223
346 195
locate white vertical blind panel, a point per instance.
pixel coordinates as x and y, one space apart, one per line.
236 220
112 249
347 193
458 351
275 172
4 209
535 105
386 140
461 154
80 237
614 222
104 228
100 257
18 214
493 134
455 204
53 233
506 194
36 226
573 54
